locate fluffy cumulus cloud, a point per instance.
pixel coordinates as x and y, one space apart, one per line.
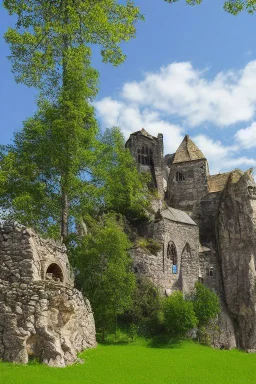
222 157
246 137
179 89
182 94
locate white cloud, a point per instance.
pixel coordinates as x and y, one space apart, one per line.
179 89
130 119
180 93
221 157
246 137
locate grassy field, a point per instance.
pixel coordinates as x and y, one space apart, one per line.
184 363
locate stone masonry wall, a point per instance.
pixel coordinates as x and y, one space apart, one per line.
41 315
44 320
158 268
184 194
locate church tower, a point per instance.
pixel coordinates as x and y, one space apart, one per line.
187 182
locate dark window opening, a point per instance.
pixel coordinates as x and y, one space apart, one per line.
145 156
210 272
172 256
201 280
54 272
179 176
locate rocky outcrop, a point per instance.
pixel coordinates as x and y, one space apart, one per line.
236 237
42 315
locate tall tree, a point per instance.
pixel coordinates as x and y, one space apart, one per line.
232 6
46 31
49 48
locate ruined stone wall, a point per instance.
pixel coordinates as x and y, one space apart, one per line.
135 142
184 194
158 268
41 315
44 320
24 256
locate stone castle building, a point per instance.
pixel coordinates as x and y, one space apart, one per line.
42 315
205 226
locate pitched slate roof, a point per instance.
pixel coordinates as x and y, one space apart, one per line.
177 215
187 151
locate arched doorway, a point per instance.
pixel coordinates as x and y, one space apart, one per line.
54 272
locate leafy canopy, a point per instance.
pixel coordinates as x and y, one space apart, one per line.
232 6
44 31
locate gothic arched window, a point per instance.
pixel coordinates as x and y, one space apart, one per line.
172 256
179 176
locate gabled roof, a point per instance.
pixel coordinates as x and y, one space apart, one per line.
187 151
177 215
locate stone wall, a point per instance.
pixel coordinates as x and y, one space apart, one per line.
44 320
158 268
41 315
24 256
183 194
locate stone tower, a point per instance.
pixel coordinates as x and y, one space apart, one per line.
187 181
147 151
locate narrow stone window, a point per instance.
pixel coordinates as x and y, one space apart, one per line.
201 280
143 155
172 256
150 157
179 176
210 272
139 156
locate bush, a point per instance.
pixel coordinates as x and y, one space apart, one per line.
179 315
145 316
205 303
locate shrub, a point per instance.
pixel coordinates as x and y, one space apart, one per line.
205 303
179 315
150 245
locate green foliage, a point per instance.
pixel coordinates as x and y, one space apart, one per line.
148 244
121 187
145 315
206 304
104 270
232 6
45 34
179 315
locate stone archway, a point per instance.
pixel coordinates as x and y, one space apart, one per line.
54 272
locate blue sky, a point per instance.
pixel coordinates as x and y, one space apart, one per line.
190 70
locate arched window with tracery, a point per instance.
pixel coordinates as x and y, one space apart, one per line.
179 176
172 256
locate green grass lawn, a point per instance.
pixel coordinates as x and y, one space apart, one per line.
138 363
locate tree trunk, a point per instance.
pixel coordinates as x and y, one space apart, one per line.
64 215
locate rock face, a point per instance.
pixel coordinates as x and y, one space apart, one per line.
236 238
41 315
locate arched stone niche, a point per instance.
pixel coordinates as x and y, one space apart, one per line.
54 272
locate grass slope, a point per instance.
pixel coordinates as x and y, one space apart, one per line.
184 363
